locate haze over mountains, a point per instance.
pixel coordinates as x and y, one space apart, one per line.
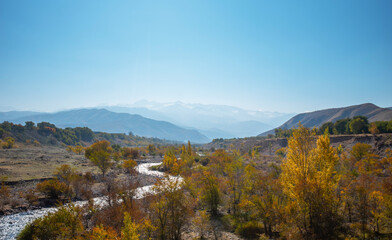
317 118
173 121
106 121
214 121
198 123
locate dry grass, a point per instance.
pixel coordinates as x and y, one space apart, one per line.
31 162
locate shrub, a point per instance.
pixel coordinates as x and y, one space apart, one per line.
53 188
129 165
249 229
66 223
4 195
131 153
8 143
204 161
30 196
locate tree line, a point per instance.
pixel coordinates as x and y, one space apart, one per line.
356 125
48 133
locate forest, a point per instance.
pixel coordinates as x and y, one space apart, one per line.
316 192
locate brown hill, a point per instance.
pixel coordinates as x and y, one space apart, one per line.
317 118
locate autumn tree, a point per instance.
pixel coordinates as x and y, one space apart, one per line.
99 153
235 171
151 149
171 208
309 180
210 193
130 229
169 160
189 148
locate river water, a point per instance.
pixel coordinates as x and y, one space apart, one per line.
11 225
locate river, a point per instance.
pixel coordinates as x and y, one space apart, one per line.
11 225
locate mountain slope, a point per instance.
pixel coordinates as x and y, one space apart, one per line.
106 121
317 118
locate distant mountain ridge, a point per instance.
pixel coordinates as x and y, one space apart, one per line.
317 118
215 121
107 121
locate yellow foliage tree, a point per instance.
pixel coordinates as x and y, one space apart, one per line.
310 181
130 229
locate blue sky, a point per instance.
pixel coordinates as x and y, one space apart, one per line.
287 56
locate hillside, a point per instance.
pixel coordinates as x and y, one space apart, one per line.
103 120
317 118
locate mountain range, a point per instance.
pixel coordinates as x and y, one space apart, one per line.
200 121
214 121
317 118
106 121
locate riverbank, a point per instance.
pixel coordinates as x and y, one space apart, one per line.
11 225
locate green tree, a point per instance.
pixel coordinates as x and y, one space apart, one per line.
99 153
359 125
29 125
325 126
189 149
342 126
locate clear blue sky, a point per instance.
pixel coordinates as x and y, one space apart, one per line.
287 56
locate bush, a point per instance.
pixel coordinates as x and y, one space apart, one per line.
131 153
204 161
249 229
66 223
8 143
4 195
129 166
53 188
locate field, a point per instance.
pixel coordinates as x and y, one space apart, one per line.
35 163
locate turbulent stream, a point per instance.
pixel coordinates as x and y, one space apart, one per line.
11 225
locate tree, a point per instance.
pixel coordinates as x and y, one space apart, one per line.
169 160
210 194
99 153
170 209
130 229
341 126
360 150
189 148
373 128
359 125
235 171
29 125
151 149
325 126
309 180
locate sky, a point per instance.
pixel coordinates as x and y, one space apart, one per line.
284 56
